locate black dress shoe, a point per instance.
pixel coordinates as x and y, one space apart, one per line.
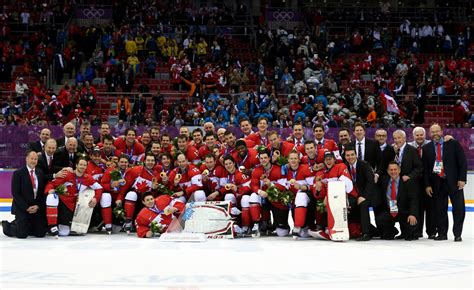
441 238
432 237
458 239
364 238
399 237
6 229
415 238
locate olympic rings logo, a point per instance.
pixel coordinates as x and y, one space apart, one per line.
283 15
93 13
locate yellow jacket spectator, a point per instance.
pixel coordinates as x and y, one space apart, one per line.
161 41
140 42
133 62
202 48
131 47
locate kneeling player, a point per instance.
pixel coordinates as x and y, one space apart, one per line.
160 210
60 207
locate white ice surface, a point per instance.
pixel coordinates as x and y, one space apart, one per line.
101 261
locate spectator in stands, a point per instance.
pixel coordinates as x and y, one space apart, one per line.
124 108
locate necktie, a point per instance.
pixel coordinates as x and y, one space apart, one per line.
50 163
33 184
393 196
419 151
438 158
298 143
359 149
71 160
397 157
353 173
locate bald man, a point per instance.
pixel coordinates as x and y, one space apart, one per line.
38 146
29 201
68 154
68 130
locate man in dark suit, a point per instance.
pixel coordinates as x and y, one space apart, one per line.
28 201
363 179
368 150
49 161
68 155
388 154
399 204
445 173
426 201
38 146
69 130
344 137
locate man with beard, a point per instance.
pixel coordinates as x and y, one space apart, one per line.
445 173
107 152
264 176
111 190
139 180
130 146
211 176
245 158
344 136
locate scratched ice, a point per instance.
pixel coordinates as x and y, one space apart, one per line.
99 260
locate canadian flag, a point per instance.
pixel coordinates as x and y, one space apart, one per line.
389 103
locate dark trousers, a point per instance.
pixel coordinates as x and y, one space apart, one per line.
440 196
426 213
360 213
386 224
26 225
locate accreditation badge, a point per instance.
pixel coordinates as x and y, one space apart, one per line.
438 167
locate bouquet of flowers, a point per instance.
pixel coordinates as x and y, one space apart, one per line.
281 160
119 213
115 175
261 148
156 228
320 207
277 195
164 189
60 190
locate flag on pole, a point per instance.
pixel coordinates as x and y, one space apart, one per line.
389 103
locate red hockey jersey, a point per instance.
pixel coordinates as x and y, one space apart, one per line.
249 161
138 179
96 171
191 180
74 186
157 213
238 178
134 152
302 175
338 172
213 178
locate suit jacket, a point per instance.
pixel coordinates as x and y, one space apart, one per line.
22 191
411 164
388 154
49 171
407 198
61 142
35 146
364 183
372 154
63 156
454 162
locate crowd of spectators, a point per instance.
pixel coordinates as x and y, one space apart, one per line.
298 75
